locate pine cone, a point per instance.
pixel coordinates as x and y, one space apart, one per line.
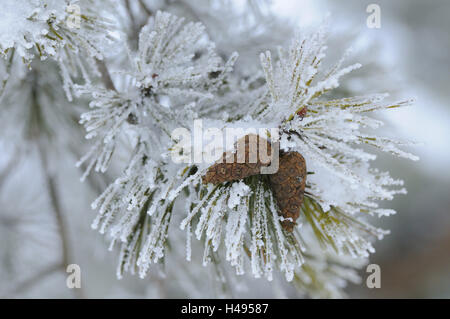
233 167
288 186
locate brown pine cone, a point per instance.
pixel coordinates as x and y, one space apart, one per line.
288 186
233 166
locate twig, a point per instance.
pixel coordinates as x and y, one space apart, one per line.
56 207
146 9
106 77
135 27
38 135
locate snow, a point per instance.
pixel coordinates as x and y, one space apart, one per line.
24 23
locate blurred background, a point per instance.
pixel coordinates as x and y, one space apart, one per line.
408 56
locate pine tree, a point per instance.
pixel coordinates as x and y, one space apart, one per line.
146 71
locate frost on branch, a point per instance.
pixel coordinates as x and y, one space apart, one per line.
175 58
341 185
235 209
176 73
40 28
175 78
342 189
127 209
55 29
170 82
